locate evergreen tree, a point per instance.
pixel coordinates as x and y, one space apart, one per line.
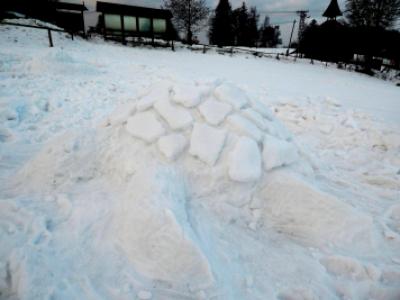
270 36
253 27
245 25
373 13
241 27
221 25
189 15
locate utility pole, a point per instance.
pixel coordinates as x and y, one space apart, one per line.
303 14
290 41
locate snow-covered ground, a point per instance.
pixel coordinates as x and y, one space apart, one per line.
140 173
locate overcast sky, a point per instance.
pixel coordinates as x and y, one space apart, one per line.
316 8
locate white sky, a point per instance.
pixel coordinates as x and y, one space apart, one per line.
316 8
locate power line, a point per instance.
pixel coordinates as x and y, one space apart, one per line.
282 12
282 22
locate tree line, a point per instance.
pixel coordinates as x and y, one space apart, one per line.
227 26
366 30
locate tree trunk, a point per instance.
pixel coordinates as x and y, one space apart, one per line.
189 35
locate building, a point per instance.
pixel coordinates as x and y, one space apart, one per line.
121 21
70 16
333 11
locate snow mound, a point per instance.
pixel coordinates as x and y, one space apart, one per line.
162 161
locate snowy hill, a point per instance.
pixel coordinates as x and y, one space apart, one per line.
135 173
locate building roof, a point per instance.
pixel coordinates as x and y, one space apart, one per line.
129 10
69 6
333 10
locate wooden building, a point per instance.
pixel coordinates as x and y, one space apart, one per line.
123 21
70 16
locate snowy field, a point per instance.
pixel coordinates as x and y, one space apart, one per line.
135 173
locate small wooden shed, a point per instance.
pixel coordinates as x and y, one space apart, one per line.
125 20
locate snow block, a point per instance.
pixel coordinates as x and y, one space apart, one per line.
171 146
214 112
231 94
157 92
262 109
255 117
121 114
189 96
244 126
176 117
145 126
245 161
207 142
281 131
278 153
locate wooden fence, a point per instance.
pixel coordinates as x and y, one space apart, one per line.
285 55
49 30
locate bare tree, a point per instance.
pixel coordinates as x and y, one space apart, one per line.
189 15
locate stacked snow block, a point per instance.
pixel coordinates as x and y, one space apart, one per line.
217 123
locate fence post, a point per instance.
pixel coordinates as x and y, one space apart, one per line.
50 37
122 29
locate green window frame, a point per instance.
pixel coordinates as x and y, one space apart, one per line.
130 23
144 24
159 25
112 21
